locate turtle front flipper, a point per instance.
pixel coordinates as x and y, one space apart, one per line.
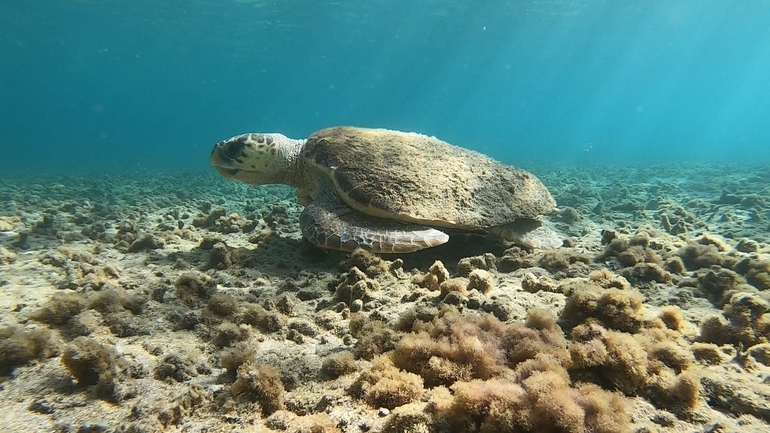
329 224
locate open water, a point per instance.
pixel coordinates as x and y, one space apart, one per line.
108 85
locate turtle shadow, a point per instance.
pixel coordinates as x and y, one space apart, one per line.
459 246
286 257
282 257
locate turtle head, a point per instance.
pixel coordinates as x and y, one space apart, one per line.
256 158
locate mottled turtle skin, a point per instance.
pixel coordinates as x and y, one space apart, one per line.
390 191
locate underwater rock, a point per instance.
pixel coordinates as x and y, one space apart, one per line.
174 366
728 198
411 417
484 262
732 393
6 225
675 265
719 284
481 280
569 215
223 305
454 291
229 333
146 242
760 353
456 348
61 308
747 246
673 225
220 256
758 274
708 353
615 309
265 320
605 279
233 357
354 285
671 316
513 259
283 420
371 264
437 274
533 284
628 207
6 257
219 221
650 364
561 259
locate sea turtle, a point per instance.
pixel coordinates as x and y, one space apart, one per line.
389 191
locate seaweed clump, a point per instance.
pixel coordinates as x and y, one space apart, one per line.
502 377
758 274
629 252
193 290
614 345
613 308
374 337
455 348
385 385
94 364
338 364
562 259
719 284
115 305
652 364
745 321
696 255
19 347
480 374
259 384
61 308
538 399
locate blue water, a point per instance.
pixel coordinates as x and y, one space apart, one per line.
113 85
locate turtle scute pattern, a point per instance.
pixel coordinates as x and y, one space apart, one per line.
419 179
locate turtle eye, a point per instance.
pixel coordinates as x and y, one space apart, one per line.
233 149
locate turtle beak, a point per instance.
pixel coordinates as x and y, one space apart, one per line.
227 173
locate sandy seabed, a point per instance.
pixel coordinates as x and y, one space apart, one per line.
181 302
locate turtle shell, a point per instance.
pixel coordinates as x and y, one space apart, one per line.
419 179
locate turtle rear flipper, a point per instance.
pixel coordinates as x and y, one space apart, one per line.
529 233
329 224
